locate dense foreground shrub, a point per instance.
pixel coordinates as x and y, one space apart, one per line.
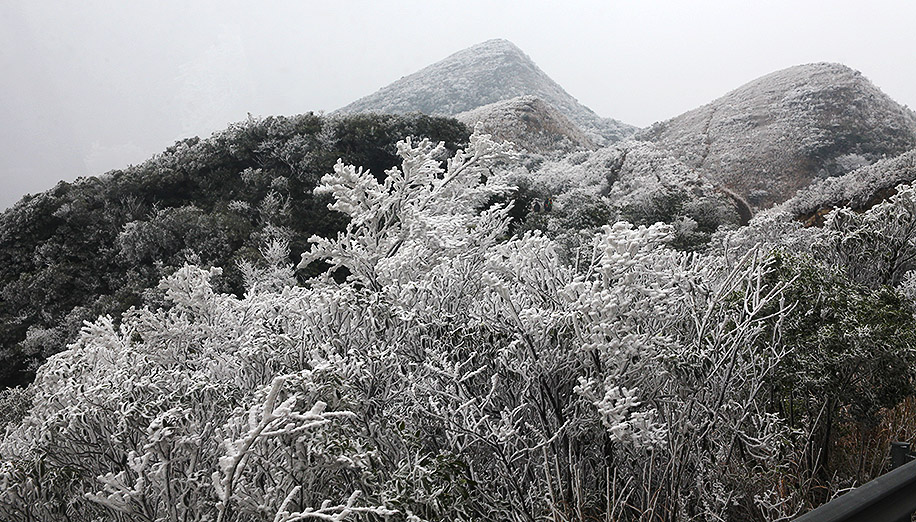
446 373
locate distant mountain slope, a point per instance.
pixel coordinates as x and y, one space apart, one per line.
774 135
488 72
860 189
530 123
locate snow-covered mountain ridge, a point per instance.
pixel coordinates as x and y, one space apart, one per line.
485 73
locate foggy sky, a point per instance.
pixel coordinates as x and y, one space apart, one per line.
96 85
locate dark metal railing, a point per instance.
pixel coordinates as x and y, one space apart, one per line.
889 498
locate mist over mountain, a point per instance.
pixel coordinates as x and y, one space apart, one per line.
778 133
485 73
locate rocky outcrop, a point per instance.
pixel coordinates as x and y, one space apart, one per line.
530 123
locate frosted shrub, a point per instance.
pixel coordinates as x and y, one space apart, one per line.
418 215
456 374
137 421
876 247
14 405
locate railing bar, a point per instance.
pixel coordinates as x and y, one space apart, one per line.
889 498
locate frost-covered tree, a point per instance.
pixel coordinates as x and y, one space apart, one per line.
876 247
448 372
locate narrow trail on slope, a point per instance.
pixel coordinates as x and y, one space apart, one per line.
706 139
741 205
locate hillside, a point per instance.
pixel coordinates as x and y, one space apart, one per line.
775 135
860 189
530 123
485 73
452 358
101 244
630 181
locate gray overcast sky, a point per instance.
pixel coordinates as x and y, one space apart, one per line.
94 85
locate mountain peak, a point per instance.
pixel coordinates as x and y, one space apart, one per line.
809 69
482 74
504 52
495 45
778 133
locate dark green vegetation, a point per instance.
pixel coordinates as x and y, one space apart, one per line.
852 362
95 246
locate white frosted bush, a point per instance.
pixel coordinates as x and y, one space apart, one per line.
456 375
